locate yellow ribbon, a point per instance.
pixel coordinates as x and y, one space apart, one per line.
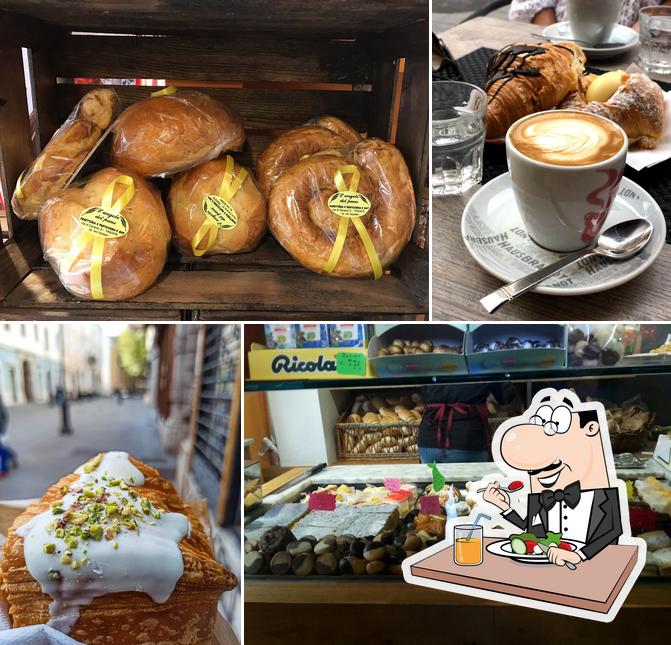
208 229
18 190
166 91
98 241
339 243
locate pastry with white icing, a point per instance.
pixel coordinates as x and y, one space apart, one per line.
111 550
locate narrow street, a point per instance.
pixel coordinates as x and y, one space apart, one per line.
99 424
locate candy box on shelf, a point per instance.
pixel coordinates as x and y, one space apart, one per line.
347 335
307 364
515 348
280 336
311 335
438 350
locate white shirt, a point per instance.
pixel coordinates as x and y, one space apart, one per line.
572 523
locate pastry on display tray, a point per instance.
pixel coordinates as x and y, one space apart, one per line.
655 493
108 549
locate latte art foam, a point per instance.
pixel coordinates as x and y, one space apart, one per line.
567 138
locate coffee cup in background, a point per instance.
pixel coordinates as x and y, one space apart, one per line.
593 20
565 167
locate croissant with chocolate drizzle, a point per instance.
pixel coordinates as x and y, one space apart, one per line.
525 78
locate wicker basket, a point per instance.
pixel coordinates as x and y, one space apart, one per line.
386 441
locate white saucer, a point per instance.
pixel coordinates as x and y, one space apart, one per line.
494 235
620 34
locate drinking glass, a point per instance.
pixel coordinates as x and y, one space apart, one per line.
655 38
458 136
468 544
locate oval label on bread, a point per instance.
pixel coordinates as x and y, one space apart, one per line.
349 204
220 212
103 223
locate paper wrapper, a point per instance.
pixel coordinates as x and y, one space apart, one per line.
639 159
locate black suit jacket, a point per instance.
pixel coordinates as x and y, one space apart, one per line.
605 522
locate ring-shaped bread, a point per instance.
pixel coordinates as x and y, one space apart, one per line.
301 220
321 133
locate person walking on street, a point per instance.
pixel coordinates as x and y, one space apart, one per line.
7 455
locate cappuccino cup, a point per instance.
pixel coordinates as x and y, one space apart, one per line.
593 20
565 168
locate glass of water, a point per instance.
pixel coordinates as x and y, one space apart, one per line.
655 39
457 136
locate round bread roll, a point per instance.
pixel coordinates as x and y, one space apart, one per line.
162 135
322 133
65 151
185 210
633 101
303 223
130 263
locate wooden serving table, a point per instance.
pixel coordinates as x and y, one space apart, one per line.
593 586
459 282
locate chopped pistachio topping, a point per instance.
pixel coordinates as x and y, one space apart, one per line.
101 508
93 464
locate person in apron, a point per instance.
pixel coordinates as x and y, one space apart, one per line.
455 424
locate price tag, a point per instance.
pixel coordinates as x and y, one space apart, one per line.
351 363
324 501
392 483
430 505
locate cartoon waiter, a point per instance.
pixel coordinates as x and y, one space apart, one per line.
558 443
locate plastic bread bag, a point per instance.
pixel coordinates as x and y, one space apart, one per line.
66 150
346 213
106 239
172 131
216 207
318 134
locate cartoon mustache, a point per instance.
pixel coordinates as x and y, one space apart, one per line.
542 470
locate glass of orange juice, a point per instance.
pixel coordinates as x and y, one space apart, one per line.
468 544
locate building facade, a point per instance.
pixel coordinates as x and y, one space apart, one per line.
30 362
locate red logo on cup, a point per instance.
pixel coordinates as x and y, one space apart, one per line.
594 219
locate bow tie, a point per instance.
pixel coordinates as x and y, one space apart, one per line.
570 495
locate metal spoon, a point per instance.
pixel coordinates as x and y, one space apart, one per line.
618 242
584 43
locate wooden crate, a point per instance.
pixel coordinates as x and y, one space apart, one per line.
277 64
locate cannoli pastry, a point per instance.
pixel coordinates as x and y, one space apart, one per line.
347 213
322 133
633 101
111 555
64 153
216 207
525 78
163 135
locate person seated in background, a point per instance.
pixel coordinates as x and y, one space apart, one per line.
548 12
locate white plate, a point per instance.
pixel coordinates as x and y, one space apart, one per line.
620 34
494 235
503 548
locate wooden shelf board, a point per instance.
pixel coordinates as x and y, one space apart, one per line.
237 290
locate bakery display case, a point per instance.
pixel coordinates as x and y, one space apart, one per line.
363 62
307 563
